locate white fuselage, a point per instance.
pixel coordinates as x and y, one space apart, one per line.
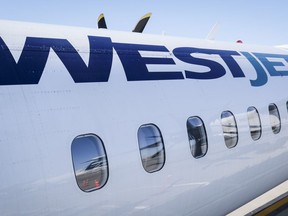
39 121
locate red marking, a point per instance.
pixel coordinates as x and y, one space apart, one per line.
97 184
239 41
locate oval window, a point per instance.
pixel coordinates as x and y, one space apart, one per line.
197 137
151 147
230 130
254 123
274 118
89 162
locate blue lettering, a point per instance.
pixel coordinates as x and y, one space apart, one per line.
261 74
35 53
184 54
270 65
135 65
34 56
233 66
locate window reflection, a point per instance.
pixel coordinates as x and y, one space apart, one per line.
197 137
89 162
151 147
230 130
254 123
274 118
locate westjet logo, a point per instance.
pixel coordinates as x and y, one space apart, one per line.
34 56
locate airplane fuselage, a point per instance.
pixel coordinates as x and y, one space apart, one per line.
60 84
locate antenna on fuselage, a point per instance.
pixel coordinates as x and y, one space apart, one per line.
213 32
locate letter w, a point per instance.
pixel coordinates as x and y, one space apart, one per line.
35 53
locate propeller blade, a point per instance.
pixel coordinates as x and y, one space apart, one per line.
101 22
142 23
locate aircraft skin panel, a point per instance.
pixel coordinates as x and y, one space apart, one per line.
40 120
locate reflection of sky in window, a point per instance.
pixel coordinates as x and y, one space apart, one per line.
274 118
148 135
149 140
84 150
197 137
194 122
253 117
228 122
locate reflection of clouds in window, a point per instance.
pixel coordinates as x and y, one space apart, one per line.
90 162
230 130
254 123
151 147
274 118
197 137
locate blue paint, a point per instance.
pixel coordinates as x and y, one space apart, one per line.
271 65
216 70
34 56
262 77
135 65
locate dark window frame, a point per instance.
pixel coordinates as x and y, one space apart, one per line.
95 162
145 160
275 128
252 127
195 135
228 133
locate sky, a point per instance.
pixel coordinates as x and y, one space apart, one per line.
253 22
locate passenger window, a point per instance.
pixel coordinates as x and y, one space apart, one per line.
89 162
254 123
274 118
151 147
230 130
197 137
